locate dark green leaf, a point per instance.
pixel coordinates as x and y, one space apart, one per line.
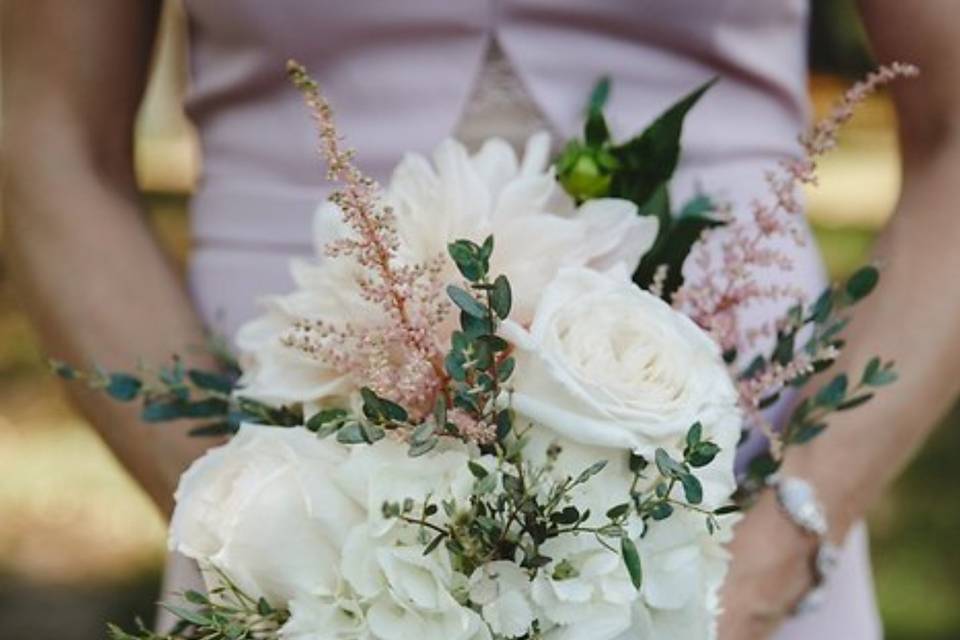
631 558
501 298
833 393
211 381
599 95
702 454
692 489
852 403
862 282
651 158
123 387
694 434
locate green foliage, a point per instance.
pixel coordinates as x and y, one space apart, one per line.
822 325
640 170
227 614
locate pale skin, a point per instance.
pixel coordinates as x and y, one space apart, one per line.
99 289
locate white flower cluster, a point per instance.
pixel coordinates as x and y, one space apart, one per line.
603 368
298 520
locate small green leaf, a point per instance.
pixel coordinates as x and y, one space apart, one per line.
477 470
694 434
631 558
467 303
702 454
861 283
692 489
123 387
63 369
591 471
599 95
210 381
833 393
618 511
352 434
424 447
501 298
854 402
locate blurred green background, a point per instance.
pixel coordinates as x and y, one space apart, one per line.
80 543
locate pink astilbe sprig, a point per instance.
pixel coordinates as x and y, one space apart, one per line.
399 358
750 245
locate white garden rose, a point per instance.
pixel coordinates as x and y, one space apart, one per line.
608 365
263 509
537 229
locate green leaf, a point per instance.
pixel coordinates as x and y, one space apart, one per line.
477 470
326 417
618 511
434 543
672 250
467 256
661 510
206 408
702 454
211 381
352 434
467 303
123 386
163 411
855 402
631 558
591 471
692 489
599 95
569 515
191 616
501 298
651 158
424 447
861 283
63 369
804 432
833 393
213 429
694 434
667 466
595 132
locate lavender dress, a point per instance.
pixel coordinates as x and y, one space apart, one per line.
403 75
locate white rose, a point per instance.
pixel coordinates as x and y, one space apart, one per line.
263 509
606 364
537 227
502 590
585 592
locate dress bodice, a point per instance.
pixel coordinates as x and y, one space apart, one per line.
400 76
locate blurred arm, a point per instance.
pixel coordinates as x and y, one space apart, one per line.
913 317
88 269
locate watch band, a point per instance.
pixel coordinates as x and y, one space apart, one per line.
798 501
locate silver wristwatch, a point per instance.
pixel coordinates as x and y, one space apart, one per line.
798 501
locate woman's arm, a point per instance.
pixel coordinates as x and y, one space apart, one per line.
913 318
89 271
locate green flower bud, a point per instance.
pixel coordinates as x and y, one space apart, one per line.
586 172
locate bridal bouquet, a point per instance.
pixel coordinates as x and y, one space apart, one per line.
501 405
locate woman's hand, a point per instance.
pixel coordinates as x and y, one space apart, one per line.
769 573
